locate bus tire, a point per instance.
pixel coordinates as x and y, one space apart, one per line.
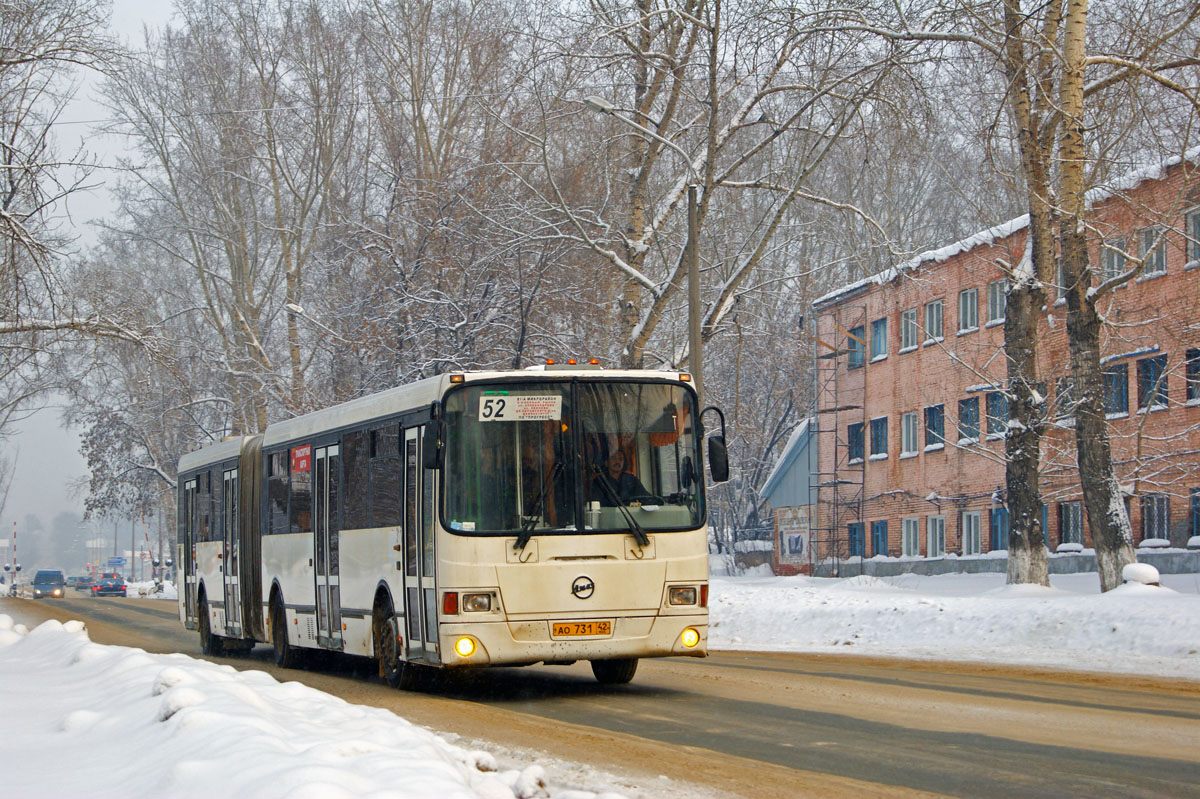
209 644
614 672
286 655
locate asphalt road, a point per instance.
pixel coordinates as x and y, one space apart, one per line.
756 724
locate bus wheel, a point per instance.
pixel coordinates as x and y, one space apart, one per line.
387 649
209 644
286 655
614 672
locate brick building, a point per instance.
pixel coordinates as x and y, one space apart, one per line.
910 372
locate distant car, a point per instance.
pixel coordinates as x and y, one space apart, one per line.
84 583
49 583
109 586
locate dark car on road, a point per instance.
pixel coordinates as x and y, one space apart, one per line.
49 583
84 583
109 586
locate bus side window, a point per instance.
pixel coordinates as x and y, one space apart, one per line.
355 457
385 485
277 493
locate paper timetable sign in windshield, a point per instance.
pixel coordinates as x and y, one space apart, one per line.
520 407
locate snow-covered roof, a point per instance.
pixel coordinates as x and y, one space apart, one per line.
791 450
1124 183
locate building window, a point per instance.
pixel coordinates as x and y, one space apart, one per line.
854 441
1064 397
999 528
972 543
879 437
1070 522
1192 373
1196 511
1116 389
968 420
935 536
910 543
908 329
1152 382
855 532
1154 251
997 300
933 321
1112 258
879 538
997 413
908 433
856 348
1156 516
1193 237
879 339
968 310
935 425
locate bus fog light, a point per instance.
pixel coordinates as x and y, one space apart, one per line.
690 637
682 595
476 603
465 647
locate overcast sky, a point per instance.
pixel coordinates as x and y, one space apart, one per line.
48 459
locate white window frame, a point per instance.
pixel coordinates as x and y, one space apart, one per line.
1192 232
997 300
909 330
935 536
1158 508
909 429
968 310
1070 521
1112 258
910 539
934 322
1154 263
972 537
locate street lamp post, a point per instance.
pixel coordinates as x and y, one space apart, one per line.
695 362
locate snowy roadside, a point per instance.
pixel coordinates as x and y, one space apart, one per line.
1136 629
75 710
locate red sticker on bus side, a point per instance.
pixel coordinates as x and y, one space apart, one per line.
302 458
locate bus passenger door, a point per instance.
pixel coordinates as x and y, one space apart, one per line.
188 553
325 538
229 569
420 606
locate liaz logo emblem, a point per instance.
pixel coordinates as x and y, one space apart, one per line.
583 587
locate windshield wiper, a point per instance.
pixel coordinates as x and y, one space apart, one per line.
529 522
638 533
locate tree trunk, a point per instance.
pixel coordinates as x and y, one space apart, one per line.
1027 561
1111 533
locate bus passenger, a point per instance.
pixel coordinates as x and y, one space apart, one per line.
615 485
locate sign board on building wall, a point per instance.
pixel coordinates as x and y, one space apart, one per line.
795 525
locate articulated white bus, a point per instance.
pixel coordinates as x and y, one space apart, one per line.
470 519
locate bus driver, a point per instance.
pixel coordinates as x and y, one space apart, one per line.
615 484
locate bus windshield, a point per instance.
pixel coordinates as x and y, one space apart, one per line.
582 456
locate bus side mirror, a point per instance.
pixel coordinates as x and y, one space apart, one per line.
432 446
718 459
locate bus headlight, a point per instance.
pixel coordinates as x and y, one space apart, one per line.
465 647
476 603
682 595
690 637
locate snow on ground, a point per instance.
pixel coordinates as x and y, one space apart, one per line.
1139 629
202 729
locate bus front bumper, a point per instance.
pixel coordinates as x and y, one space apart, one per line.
497 643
